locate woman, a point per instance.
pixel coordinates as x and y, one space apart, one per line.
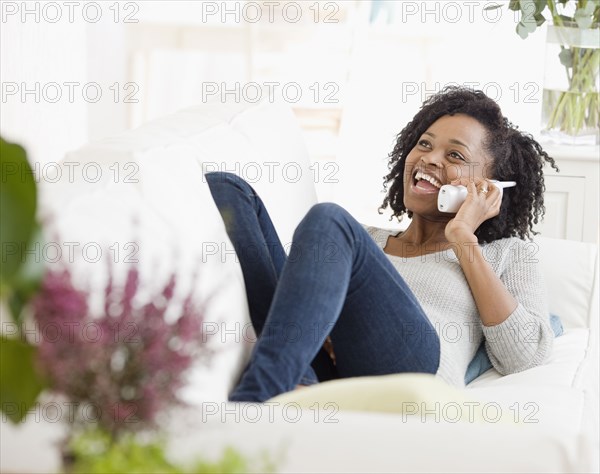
351 300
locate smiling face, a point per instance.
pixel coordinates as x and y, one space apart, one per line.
450 151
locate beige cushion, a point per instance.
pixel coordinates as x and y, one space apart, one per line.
414 395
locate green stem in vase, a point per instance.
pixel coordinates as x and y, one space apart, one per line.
576 108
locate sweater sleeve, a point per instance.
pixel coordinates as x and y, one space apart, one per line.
525 338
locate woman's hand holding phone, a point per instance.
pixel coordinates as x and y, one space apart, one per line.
482 202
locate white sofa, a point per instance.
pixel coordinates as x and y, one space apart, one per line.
177 225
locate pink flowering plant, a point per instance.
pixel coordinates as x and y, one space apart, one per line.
126 364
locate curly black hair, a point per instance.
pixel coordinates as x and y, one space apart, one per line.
516 157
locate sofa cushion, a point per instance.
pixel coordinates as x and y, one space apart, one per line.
264 146
395 393
571 273
568 353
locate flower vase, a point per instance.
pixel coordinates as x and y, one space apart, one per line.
570 104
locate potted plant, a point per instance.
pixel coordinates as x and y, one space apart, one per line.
570 103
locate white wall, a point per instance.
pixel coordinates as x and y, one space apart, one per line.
37 55
383 72
60 71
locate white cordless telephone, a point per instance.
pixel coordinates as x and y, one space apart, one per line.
450 197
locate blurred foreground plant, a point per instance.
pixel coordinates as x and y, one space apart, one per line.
20 275
126 364
94 452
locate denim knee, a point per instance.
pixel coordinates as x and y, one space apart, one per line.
325 212
327 221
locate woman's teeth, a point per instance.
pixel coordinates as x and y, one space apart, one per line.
420 175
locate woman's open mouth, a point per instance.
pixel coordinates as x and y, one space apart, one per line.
424 183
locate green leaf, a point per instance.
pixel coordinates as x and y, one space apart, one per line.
20 383
17 207
540 5
528 7
514 5
28 278
566 57
539 19
523 29
528 23
493 7
583 16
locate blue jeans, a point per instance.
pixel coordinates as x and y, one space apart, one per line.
335 281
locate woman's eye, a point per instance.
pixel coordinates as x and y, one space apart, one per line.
457 156
424 143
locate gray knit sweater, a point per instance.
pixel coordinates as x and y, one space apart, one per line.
522 341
